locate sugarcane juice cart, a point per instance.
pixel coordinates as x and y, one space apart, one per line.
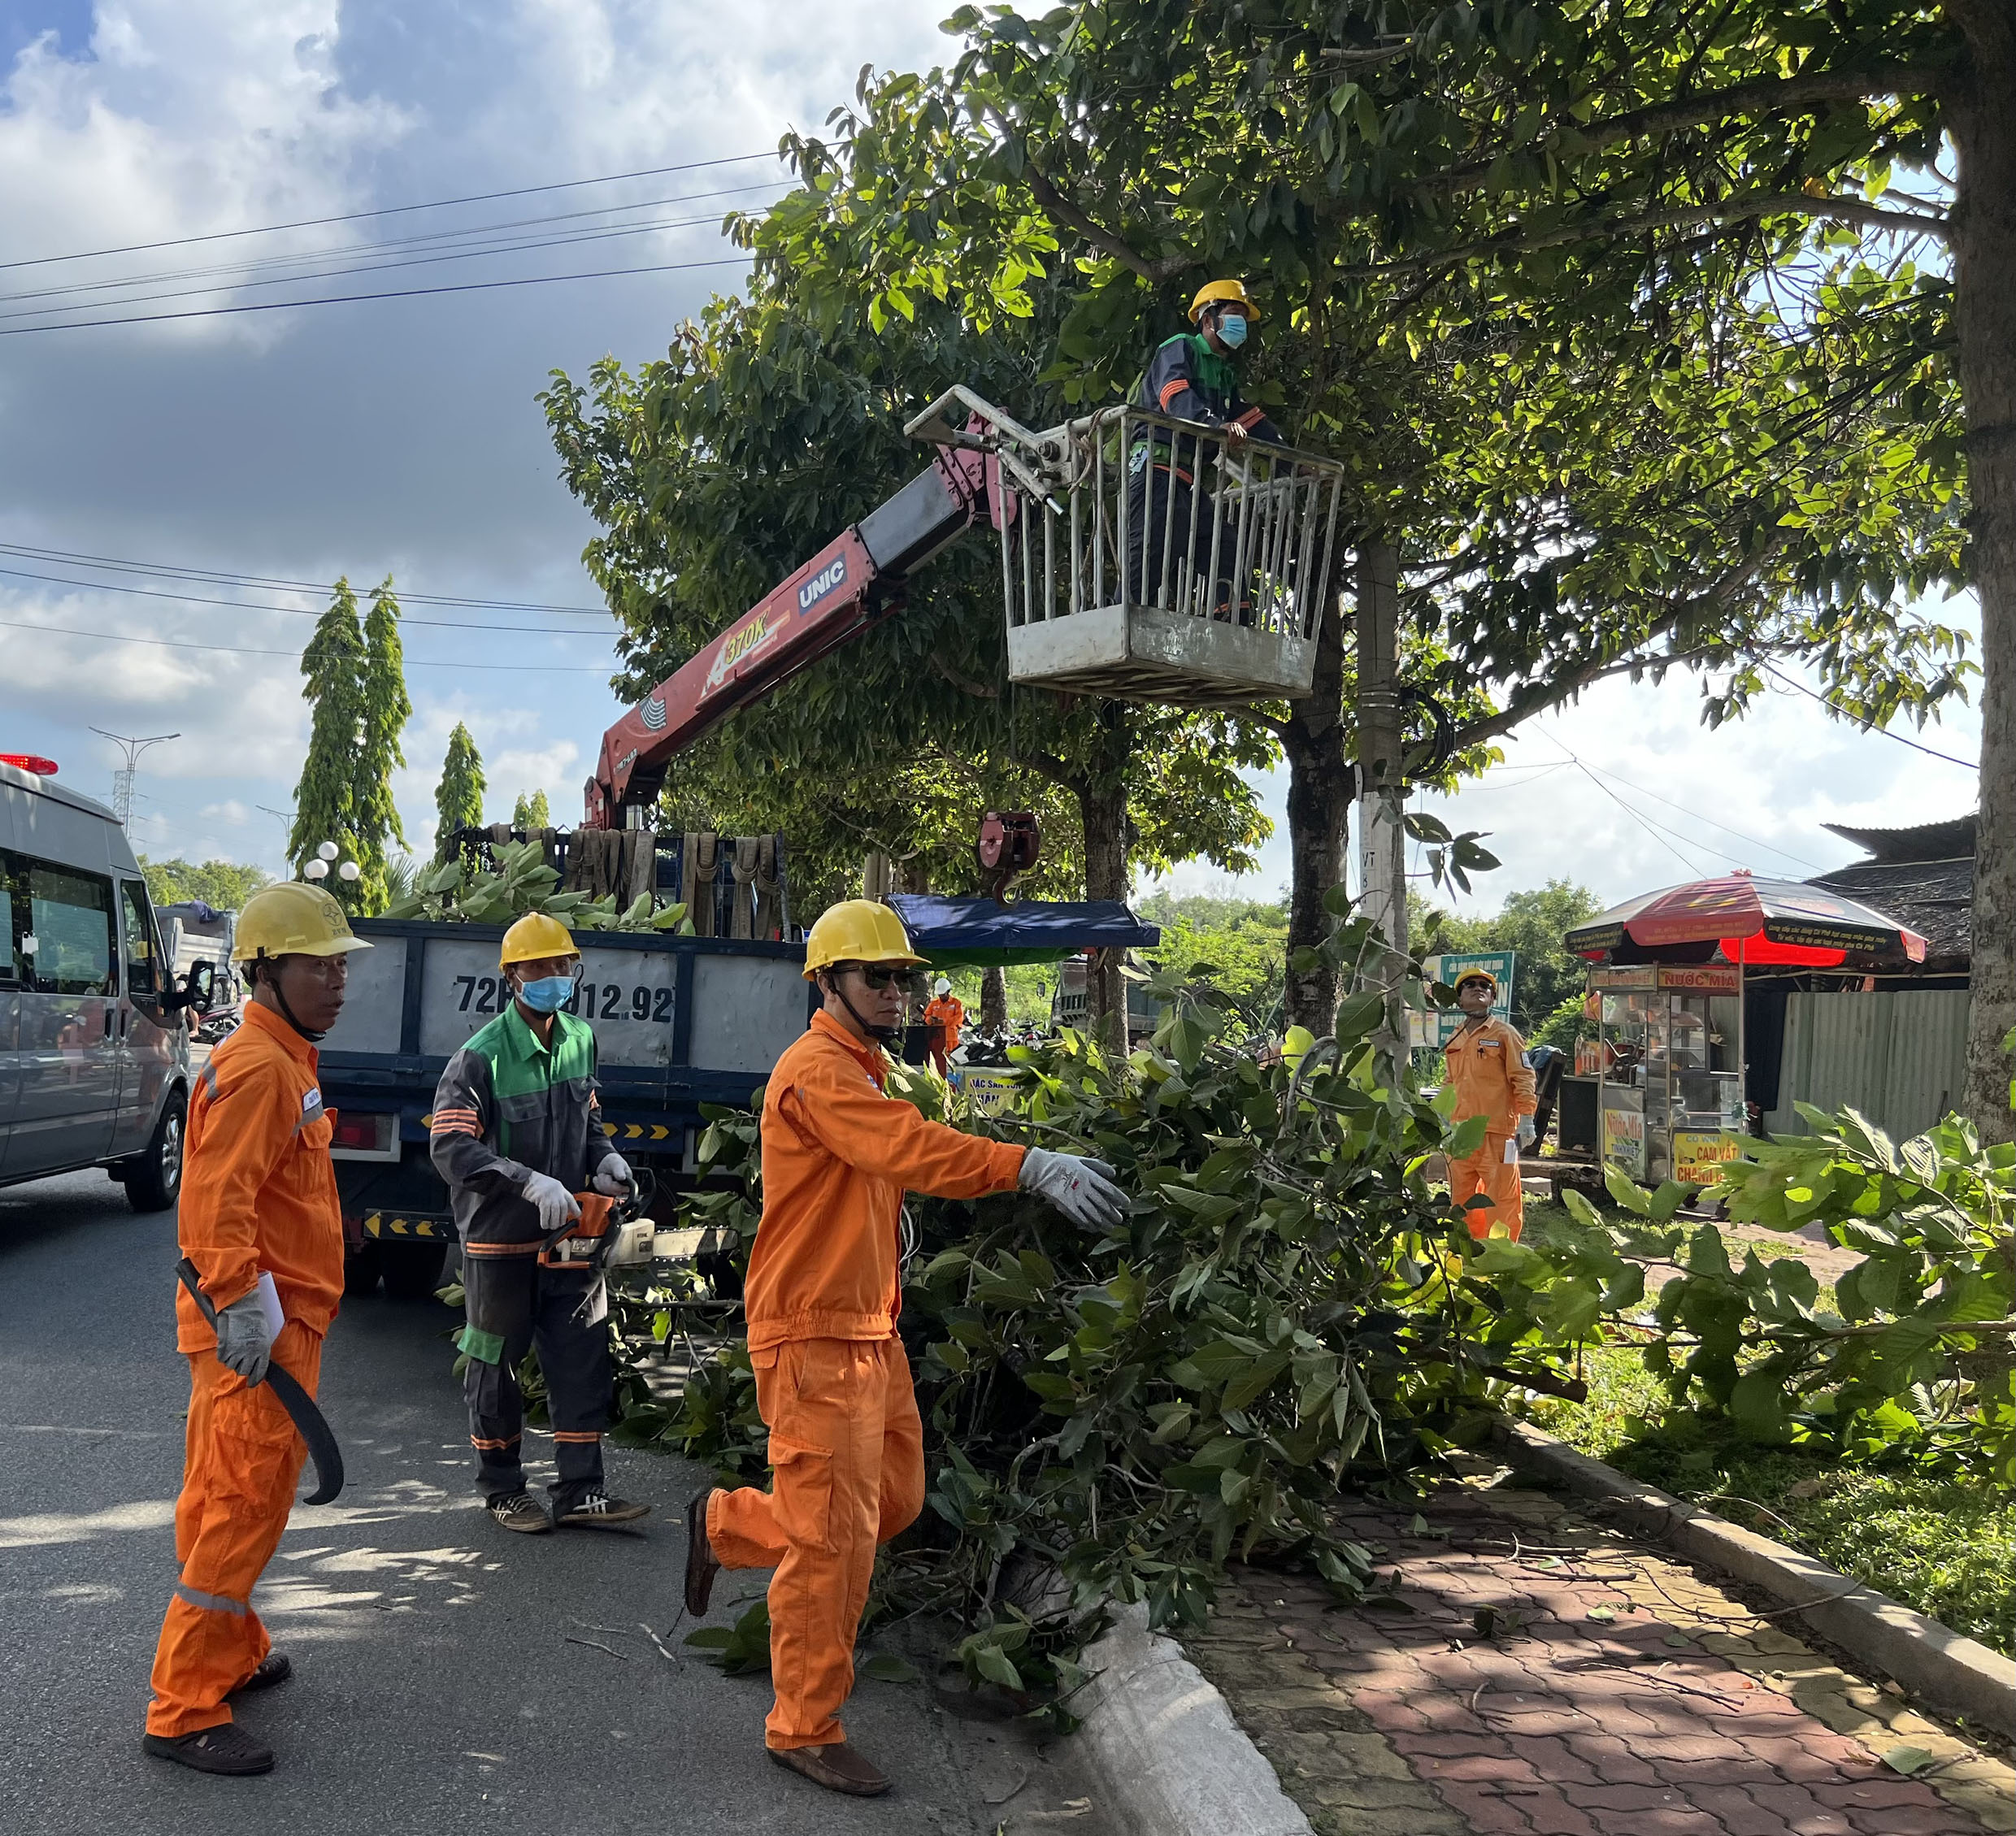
1669 1068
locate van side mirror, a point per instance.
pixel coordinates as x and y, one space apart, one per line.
197 991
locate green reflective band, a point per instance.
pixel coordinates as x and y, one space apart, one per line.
485 1347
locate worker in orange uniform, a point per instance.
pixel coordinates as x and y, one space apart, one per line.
832 1383
944 1019
1487 1068
258 1198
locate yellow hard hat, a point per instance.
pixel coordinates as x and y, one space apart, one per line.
1223 292
1474 973
856 931
533 938
292 919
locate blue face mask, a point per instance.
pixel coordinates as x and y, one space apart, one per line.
1231 330
548 994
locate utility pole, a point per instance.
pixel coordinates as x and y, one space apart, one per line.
122 778
1382 836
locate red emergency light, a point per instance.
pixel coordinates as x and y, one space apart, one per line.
30 761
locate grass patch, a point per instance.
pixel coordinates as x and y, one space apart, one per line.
1946 1547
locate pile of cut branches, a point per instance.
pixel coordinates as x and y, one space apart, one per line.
465 892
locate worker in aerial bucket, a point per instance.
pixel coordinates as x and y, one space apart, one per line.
517 1130
1486 1063
260 1221
944 1019
833 1382
1192 377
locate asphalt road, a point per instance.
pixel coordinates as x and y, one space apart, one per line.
435 1688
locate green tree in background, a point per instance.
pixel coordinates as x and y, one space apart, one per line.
458 797
532 812
1245 940
224 885
1532 924
386 709
325 799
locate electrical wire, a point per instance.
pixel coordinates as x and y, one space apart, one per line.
220 576
242 282
298 611
439 237
1754 840
246 650
1644 822
354 299
1869 725
386 210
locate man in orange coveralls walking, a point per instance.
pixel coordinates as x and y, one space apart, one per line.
258 1198
944 1019
846 1445
1487 1064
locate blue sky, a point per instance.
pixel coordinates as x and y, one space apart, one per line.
403 437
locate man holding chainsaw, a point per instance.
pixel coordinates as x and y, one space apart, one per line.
832 1383
516 1131
262 1236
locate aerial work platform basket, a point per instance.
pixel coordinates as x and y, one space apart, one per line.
1146 558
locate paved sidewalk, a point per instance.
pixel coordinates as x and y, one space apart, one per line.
1522 1669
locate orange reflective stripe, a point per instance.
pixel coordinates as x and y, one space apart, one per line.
493 1447
500 1249
1252 418
576 1435
1173 388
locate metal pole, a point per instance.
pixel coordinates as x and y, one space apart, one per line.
123 778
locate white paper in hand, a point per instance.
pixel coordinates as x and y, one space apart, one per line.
269 1304
1512 1151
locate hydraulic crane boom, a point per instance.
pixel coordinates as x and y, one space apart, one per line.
851 583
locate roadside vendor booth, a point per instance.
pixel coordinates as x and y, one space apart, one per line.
978 933
1667 996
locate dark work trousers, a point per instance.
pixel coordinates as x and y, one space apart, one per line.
1159 499
513 1304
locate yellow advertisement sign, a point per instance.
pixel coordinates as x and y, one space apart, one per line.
1699 1157
989 1093
1624 1140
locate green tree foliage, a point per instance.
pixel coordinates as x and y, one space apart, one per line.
458 797
532 812
387 708
1533 924
224 885
1631 446
325 799
1241 943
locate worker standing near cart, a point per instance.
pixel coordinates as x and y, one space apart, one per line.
261 1223
1194 376
1485 1063
833 1382
517 1132
944 1019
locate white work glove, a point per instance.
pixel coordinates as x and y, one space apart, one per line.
244 1340
1082 1189
1526 1132
612 1178
558 1207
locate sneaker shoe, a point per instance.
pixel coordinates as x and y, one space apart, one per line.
596 1510
521 1512
225 1748
838 1768
701 1565
274 1668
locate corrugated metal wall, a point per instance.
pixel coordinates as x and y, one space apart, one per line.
1899 1057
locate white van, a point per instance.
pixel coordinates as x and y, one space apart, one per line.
94 1032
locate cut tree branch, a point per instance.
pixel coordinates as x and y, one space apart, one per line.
964 684
1065 212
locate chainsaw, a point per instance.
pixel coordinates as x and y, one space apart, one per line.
609 1233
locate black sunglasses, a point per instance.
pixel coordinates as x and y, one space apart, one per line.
877 975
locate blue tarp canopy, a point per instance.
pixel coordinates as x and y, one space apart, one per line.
957 932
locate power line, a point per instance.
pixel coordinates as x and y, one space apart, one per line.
1771 846
246 650
1869 725
353 299
1644 822
386 210
224 576
514 246
436 236
297 611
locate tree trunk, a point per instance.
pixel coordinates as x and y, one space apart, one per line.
1984 295
1102 811
1321 784
993 1002
1382 838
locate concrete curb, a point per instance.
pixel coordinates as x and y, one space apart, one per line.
1163 1742
1955 1674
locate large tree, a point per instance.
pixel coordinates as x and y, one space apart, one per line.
458 796
766 430
387 707
1706 444
325 798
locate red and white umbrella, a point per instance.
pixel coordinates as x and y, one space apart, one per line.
1752 921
